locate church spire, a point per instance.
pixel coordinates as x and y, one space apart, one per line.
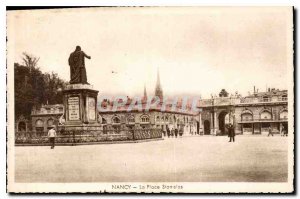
145 92
158 89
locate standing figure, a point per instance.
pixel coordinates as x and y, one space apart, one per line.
180 131
270 131
164 130
77 66
172 132
285 132
168 131
176 132
52 135
231 132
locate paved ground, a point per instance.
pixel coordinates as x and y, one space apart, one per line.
190 159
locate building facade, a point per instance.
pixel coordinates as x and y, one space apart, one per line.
186 123
252 114
46 116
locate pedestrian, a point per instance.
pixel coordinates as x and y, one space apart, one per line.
231 133
181 131
282 131
52 135
285 132
176 132
168 131
270 131
164 130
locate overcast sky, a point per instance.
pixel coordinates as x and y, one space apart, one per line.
198 51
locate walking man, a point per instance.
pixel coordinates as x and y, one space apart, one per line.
270 131
52 135
231 133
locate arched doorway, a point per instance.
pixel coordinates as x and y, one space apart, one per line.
22 126
206 127
222 122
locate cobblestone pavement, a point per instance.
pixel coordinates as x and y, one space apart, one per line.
188 159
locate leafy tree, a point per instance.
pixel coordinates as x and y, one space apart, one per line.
33 88
223 93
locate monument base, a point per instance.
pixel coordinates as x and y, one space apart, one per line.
80 102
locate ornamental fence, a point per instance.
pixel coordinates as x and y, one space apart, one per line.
74 137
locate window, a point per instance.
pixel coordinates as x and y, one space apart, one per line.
265 99
145 119
284 97
265 115
104 129
117 129
283 115
39 123
116 120
131 119
247 117
50 123
157 119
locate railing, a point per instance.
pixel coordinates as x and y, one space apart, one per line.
247 119
80 136
284 118
261 100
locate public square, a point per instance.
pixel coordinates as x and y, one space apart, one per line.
187 159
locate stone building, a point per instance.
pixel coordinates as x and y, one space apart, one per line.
252 114
46 116
155 117
22 124
152 118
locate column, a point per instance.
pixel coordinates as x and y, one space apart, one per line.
212 124
200 123
216 123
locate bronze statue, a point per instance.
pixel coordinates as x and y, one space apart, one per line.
77 66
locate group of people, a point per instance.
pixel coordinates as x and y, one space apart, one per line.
172 131
283 131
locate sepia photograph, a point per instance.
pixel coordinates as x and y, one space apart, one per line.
150 100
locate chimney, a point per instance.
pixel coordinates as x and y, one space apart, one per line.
254 90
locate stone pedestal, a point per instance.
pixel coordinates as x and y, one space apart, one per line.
80 102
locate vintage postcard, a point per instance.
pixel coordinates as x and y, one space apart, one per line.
150 100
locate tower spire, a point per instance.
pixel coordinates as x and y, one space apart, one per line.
158 89
145 92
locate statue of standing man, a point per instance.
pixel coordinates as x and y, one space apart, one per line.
77 66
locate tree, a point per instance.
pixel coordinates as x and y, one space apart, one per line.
30 61
33 88
223 93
